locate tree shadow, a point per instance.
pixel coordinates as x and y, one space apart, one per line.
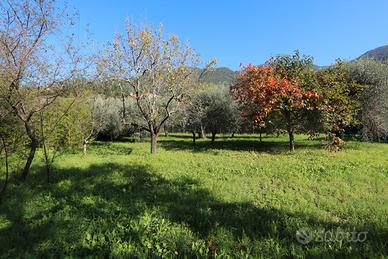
178 136
254 136
238 144
107 201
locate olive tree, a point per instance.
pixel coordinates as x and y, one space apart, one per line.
214 110
107 121
373 113
193 116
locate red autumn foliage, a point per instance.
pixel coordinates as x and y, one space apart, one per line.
260 90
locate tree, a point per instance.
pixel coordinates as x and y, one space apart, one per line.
157 69
372 101
62 126
194 112
34 72
193 116
274 87
107 118
340 95
221 114
211 109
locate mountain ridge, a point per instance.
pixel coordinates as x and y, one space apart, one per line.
379 53
225 75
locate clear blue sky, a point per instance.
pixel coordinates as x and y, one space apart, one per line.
244 31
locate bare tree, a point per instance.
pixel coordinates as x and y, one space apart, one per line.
158 70
34 72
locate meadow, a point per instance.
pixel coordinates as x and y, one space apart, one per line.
234 198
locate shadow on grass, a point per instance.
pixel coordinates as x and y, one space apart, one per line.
90 211
222 136
237 144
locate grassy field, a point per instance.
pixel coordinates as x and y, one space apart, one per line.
236 198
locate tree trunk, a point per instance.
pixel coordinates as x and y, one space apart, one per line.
30 157
48 172
213 137
232 136
34 144
292 139
193 137
6 171
45 151
261 138
47 161
165 131
203 133
290 130
154 141
85 147
124 111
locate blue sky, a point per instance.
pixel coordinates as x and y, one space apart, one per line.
244 31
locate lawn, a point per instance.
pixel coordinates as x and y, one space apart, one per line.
234 198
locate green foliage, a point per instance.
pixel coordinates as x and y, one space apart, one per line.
65 124
373 114
214 110
221 114
340 98
219 76
295 66
13 133
107 117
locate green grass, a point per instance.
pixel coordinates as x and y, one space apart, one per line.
236 198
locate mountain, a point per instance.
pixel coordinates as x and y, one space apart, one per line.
316 67
226 76
219 75
380 53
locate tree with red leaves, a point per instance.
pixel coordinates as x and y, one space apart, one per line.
276 86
